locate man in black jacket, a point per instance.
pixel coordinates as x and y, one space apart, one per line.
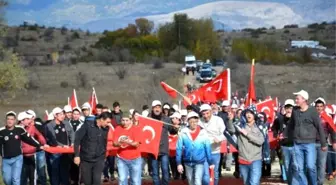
92 138
163 158
307 127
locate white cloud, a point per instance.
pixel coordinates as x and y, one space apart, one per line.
23 2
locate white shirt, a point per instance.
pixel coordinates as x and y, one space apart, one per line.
215 129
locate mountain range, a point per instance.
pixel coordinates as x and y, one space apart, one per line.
99 15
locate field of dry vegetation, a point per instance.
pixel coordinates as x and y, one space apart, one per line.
50 86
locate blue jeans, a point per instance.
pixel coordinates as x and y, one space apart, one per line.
287 162
215 158
109 166
41 168
131 168
251 173
321 162
11 170
60 166
194 173
164 160
304 159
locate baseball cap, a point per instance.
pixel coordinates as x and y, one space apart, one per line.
86 105
131 111
205 107
234 106
289 102
166 107
31 112
302 93
67 108
56 110
176 115
77 108
11 113
176 107
192 114
320 99
24 115
184 112
156 103
145 113
225 103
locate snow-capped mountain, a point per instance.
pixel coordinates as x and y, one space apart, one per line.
98 15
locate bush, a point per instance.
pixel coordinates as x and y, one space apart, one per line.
75 35
286 31
178 54
121 71
125 55
67 47
64 30
48 32
106 56
29 39
158 63
64 84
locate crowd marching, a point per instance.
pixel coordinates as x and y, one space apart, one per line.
305 143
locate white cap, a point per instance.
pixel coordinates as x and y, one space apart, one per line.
289 102
302 93
320 99
67 108
51 116
225 103
234 106
24 115
131 111
184 112
145 113
10 112
205 107
76 108
86 105
31 112
56 110
176 115
166 107
176 107
192 114
156 103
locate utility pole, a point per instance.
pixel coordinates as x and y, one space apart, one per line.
179 44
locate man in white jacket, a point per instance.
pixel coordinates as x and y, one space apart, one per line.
214 126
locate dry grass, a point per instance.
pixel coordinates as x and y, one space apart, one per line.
140 86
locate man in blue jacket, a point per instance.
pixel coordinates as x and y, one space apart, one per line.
195 145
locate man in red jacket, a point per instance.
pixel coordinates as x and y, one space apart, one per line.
29 167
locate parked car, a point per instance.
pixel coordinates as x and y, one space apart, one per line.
206 66
205 75
219 62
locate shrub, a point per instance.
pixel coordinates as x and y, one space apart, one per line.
106 56
82 80
64 30
75 35
286 31
29 39
64 84
67 47
157 63
178 54
121 71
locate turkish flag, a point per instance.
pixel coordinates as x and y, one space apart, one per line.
195 97
172 139
219 88
150 135
329 120
332 108
110 149
274 142
93 101
268 108
251 97
59 150
223 148
73 100
171 91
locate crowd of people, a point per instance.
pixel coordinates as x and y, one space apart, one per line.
307 144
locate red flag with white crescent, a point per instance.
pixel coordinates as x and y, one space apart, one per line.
172 139
150 135
194 97
73 100
93 101
268 108
220 87
170 91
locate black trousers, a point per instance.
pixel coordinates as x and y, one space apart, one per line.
91 172
28 170
74 173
